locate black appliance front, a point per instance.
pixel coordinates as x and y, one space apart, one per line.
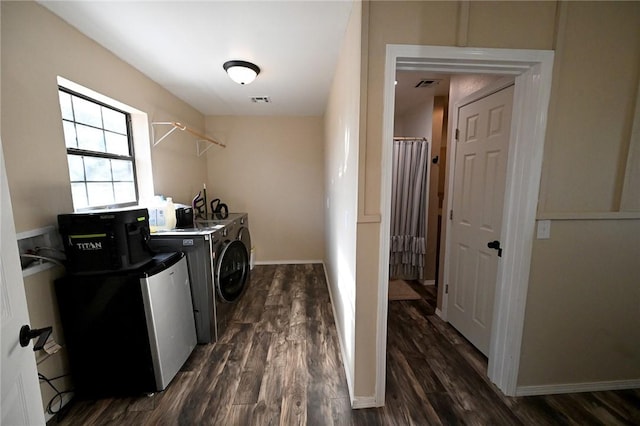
106 328
232 271
106 334
105 241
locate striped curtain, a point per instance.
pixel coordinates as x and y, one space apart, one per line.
408 209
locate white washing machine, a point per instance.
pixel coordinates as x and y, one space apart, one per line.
219 267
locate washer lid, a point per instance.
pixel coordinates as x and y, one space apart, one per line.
232 271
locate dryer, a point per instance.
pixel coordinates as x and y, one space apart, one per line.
235 226
218 261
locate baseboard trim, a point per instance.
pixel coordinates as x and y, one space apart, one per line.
347 371
439 313
288 262
363 402
429 282
577 387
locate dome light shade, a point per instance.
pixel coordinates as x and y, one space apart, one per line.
241 72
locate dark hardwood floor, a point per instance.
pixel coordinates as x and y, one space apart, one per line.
279 363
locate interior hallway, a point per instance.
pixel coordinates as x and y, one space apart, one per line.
279 363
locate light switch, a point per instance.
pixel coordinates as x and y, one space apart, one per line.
544 229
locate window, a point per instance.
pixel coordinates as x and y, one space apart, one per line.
99 151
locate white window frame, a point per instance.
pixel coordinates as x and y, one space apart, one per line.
139 133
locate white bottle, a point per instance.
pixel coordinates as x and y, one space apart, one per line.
156 208
170 214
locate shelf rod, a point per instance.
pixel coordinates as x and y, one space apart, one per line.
179 126
406 138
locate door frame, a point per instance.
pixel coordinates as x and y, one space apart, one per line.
532 70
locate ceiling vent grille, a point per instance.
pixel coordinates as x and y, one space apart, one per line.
427 83
261 99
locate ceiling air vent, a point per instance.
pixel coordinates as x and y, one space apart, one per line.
261 99
427 83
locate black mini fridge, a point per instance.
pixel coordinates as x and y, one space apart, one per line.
128 332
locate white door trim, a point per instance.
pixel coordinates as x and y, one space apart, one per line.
532 70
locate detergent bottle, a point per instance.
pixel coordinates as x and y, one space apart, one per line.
162 214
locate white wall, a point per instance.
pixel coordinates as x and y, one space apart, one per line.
341 186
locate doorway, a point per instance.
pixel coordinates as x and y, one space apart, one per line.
483 126
420 113
532 70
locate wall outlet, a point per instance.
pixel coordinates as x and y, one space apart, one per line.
544 229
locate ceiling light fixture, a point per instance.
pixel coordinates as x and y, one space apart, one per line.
242 72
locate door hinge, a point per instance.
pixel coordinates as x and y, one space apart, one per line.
446 289
451 214
457 134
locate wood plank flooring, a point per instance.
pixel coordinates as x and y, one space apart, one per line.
279 363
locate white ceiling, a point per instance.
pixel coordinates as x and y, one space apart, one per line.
182 45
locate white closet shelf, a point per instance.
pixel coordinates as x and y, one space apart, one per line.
200 138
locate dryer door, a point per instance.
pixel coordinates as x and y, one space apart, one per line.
232 271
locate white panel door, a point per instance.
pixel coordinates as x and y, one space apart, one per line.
478 195
21 399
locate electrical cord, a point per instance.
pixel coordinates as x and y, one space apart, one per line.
45 258
58 394
31 255
57 250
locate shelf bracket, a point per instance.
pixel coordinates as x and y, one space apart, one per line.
199 144
200 138
153 132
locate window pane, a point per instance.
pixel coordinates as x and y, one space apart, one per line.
87 112
90 139
65 106
114 121
79 194
125 192
102 173
97 169
76 168
69 134
117 144
122 170
100 194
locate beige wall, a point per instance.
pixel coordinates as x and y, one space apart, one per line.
592 107
272 168
587 264
583 304
595 42
342 126
416 122
436 181
36 48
